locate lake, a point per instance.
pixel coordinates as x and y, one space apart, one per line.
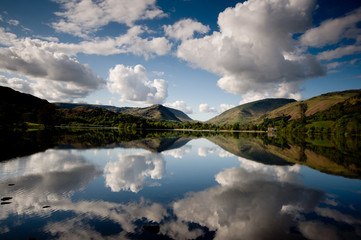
110 184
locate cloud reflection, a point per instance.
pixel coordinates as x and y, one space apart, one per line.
131 170
178 152
248 203
44 179
253 201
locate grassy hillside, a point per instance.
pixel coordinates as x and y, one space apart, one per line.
312 105
249 111
332 113
157 112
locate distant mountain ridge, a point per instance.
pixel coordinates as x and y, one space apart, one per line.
157 111
250 111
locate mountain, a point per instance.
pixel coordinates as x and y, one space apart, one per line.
313 105
156 112
249 111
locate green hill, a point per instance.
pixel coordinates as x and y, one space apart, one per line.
332 113
313 105
156 112
249 111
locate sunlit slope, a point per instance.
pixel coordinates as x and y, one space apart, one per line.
157 111
249 111
313 105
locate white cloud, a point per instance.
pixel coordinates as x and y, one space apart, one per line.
225 107
178 152
127 43
6 38
180 105
185 29
339 52
133 85
204 151
156 73
255 49
333 30
81 18
131 170
49 39
13 22
205 108
245 202
17 84
49 70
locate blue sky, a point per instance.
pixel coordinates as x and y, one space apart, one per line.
201 57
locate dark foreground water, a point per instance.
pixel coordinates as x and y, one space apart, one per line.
101 185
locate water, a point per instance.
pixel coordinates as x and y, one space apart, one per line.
113 185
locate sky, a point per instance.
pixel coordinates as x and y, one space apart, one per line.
201 57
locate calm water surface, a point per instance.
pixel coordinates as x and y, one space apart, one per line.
179 187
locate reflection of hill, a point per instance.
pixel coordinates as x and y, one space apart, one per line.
24 144
322 158
156 144
248 148
152 141
337 156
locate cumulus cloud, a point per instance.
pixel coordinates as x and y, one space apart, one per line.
180 105
55 73
130 171
17 84
6 38
205 108
133 85
185 29
51 70
80 18
254 49
50 90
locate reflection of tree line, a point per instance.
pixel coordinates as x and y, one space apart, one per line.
312 150
309 150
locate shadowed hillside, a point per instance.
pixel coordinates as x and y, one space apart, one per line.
17 107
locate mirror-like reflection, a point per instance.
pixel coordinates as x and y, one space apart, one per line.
178 186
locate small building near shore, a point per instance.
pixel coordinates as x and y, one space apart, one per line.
272 129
